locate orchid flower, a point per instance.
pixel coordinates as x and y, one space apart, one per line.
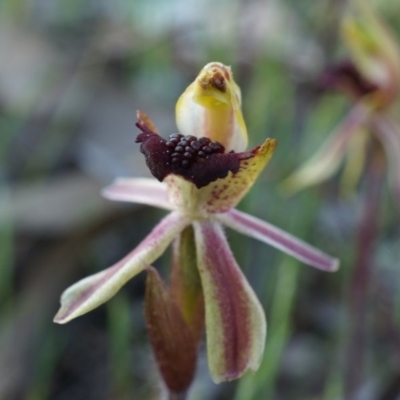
371 79
201 175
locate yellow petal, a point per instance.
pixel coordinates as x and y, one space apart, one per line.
373 50
222 194
211 107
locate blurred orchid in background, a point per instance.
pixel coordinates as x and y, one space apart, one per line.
369 138
371 79
204 171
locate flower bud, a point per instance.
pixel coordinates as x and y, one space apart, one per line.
211 107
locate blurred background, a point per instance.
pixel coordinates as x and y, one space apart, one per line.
72 74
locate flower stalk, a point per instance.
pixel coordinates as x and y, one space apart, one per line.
361 276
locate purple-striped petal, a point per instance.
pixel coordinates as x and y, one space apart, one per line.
235 320
389 133
327 159
270 234
96 289
139 190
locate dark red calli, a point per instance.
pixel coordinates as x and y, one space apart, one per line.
197 160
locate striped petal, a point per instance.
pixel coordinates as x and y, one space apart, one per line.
325 162
95 290
267 233
222 194
211 107
235 320
139 190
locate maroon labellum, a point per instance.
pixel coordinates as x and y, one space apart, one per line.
198 160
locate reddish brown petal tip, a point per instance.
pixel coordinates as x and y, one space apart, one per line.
172 341
197 160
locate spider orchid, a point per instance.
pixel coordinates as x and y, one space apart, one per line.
201 174
371 79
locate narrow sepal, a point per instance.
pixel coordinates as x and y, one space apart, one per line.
139 190
270 234
173 344
96 289
235 320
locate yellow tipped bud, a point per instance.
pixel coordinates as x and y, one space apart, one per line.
211 107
